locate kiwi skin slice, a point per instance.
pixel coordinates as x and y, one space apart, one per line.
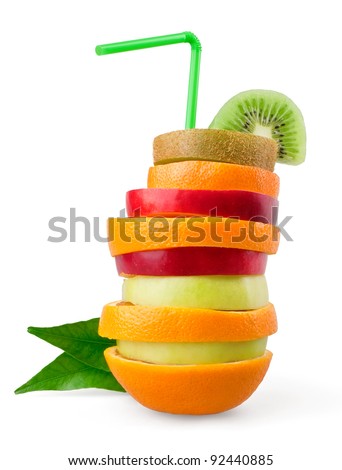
270 114
215 145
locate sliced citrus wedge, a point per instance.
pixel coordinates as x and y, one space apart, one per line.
213 175
125 321
128 235
188 389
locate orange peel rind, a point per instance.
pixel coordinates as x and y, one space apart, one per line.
125 321
188 389
128 235
215 176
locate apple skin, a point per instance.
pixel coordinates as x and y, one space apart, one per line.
212 292
192 353
192 261
245 205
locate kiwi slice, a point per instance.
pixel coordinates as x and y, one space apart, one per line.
269 114
215 145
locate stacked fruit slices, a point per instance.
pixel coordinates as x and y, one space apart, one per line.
193 324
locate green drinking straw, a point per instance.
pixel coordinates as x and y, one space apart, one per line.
157 41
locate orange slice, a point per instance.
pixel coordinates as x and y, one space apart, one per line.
189 389
125 321
128 235
214 176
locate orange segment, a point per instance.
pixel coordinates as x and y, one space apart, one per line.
191 389
125 321
128 235
214 176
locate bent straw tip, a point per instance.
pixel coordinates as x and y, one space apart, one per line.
193 40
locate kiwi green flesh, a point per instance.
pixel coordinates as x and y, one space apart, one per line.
268 114
192 353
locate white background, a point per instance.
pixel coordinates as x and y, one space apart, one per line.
76 131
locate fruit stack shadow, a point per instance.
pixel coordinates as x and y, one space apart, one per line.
192 326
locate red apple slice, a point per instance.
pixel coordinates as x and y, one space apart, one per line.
191 261
244 205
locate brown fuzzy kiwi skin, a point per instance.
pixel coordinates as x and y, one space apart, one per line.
215 145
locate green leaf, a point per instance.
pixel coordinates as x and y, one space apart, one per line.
80 340
66 373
